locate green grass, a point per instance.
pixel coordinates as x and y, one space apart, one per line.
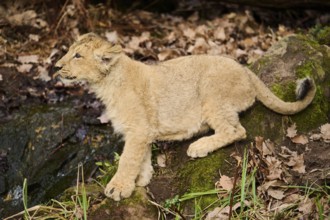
76 208
245 201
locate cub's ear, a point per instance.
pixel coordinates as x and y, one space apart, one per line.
107 55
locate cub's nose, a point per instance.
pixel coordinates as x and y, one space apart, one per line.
57 68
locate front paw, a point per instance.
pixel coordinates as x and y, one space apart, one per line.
145 176
119 189
198 149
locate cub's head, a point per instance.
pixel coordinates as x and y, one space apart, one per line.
89 59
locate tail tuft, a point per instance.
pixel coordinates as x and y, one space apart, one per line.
303 87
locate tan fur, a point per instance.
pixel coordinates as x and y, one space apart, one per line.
172 100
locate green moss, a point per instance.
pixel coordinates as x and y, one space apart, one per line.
135 207
310 68
321 34
285 91
201 174
314 115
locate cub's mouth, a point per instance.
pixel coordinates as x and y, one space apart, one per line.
70 77
58 75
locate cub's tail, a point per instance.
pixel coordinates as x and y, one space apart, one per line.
305 92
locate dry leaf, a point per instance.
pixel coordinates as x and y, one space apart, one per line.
112 36
291 131
34 37
275 168
161 160
315 137
306 206
24 68
267 148
223 213
28 59
218 214
43 74
226 183
237 157
297 163
265 186
300 139
134 44
167 54
325 132
292 198
281 206
219 34
275 193
189 33
104 118
200 46
259 141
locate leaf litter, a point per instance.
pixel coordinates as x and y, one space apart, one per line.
276 189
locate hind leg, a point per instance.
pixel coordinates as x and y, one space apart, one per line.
227 130
146 171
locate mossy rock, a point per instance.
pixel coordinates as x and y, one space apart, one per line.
290 59
321 34
135 207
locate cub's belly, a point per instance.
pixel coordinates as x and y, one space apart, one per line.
180 129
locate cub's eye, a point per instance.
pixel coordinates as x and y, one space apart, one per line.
77 55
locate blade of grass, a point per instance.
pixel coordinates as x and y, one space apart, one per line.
244 174
25 198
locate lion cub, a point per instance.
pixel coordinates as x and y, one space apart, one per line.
172 100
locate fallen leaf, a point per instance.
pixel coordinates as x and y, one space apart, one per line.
237 157
51 56
275 193
161 160
112 36
226 183
34 37
267 148
275 168
135 42
306 206
293 198
219 34
104 118
291 131
223 213
300 139
189 33
219 214
325 132
297 163
24 68
266 185
43 74
315 137
280 207
28 59
259 141
200 46
167 54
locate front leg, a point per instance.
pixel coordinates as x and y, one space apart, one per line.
123 183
